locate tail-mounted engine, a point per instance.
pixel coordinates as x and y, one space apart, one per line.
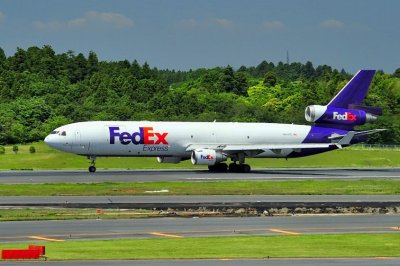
207 157
354 116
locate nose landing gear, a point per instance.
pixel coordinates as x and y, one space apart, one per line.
92 167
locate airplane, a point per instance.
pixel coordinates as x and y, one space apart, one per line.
213 143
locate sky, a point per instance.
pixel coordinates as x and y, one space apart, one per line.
190 34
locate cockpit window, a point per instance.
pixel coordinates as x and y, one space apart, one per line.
54 132
63 133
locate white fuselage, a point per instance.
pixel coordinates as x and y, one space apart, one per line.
170 139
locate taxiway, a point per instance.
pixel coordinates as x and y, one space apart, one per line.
31 177
195 227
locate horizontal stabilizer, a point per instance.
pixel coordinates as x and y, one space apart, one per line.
347 138
359 133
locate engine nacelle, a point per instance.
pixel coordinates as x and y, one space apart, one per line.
207 157
162 159
340 116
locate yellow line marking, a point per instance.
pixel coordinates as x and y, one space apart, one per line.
284 232
46 239
395 227
383 258
166 235
227 259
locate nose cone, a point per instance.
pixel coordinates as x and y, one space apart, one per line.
47 140
52 141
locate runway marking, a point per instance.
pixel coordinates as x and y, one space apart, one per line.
227 259
46 239
166 235
383 258
284 232
397 228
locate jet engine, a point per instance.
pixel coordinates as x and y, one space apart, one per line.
164 159
207 157
341 116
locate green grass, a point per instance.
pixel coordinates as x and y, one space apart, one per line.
303 187
319 246
49 158
36 214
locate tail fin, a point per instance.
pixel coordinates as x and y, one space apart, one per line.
345 110
355 90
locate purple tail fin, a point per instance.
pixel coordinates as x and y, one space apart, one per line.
355 90
345 110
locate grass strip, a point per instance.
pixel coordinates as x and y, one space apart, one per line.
318 246
46 157
302 187
37 214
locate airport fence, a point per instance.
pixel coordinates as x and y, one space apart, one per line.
376 147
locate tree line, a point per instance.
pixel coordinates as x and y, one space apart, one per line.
41 90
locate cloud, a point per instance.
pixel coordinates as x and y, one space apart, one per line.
117 20
222 23
332 24
90 19
273 25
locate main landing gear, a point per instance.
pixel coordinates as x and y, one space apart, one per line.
92 167
239 168
233 168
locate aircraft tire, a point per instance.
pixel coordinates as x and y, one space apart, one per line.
234 168
218 168
245 168
92 169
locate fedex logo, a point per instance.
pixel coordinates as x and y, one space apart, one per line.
207 157
347 116
145 135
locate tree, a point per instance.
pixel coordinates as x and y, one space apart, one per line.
92 63
270 79
32 149
15 149
397 73
2 58
227 80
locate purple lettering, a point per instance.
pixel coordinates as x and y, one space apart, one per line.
125 138
146 136
113 134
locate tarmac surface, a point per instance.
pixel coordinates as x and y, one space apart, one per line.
195 227
16 177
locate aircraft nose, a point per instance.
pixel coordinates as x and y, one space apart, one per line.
49 140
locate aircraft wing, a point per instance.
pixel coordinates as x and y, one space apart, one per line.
337 141
258 148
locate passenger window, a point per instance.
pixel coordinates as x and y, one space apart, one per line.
63 133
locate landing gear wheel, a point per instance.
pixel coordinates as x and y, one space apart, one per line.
245 168
234 168
239 168
218 168
92 167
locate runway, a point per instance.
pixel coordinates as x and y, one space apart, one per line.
33 177
195 227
